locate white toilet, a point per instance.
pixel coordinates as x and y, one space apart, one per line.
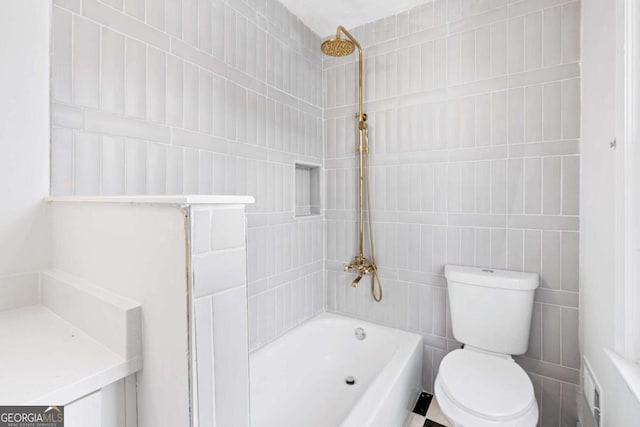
481 385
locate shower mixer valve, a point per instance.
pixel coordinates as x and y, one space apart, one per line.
362 266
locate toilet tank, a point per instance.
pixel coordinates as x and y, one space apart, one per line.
491 309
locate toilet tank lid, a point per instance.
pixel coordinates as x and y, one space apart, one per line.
492 278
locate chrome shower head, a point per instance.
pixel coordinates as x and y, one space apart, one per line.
337 47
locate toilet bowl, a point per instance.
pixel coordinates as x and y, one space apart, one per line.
481 385
477 389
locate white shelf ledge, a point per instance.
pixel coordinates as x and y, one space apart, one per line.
47 360
176 199
629 371
71 339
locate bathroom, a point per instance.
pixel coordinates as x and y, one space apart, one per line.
242 213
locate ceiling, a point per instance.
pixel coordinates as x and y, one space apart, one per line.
323 16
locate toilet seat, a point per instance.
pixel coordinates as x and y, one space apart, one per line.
476 389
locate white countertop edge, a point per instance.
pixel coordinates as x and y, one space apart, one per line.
628 370
77 390
91 367
175 199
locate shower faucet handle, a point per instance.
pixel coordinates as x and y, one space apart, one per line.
360 264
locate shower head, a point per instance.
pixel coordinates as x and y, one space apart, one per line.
338 47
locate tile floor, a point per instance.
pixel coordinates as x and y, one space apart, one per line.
433 414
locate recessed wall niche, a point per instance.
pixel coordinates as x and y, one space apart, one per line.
307 188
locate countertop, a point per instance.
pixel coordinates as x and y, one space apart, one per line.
46 360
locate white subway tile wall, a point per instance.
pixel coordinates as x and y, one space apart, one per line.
198 96
474 112
221 349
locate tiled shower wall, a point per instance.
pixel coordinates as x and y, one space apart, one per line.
474 110
198 96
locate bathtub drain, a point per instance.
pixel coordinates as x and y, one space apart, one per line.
350 380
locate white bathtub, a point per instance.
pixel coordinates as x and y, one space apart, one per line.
299 379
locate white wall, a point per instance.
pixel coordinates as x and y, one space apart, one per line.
138 252
474 116
597 247
24 135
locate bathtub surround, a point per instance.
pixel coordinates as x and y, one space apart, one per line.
198 96
474 114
